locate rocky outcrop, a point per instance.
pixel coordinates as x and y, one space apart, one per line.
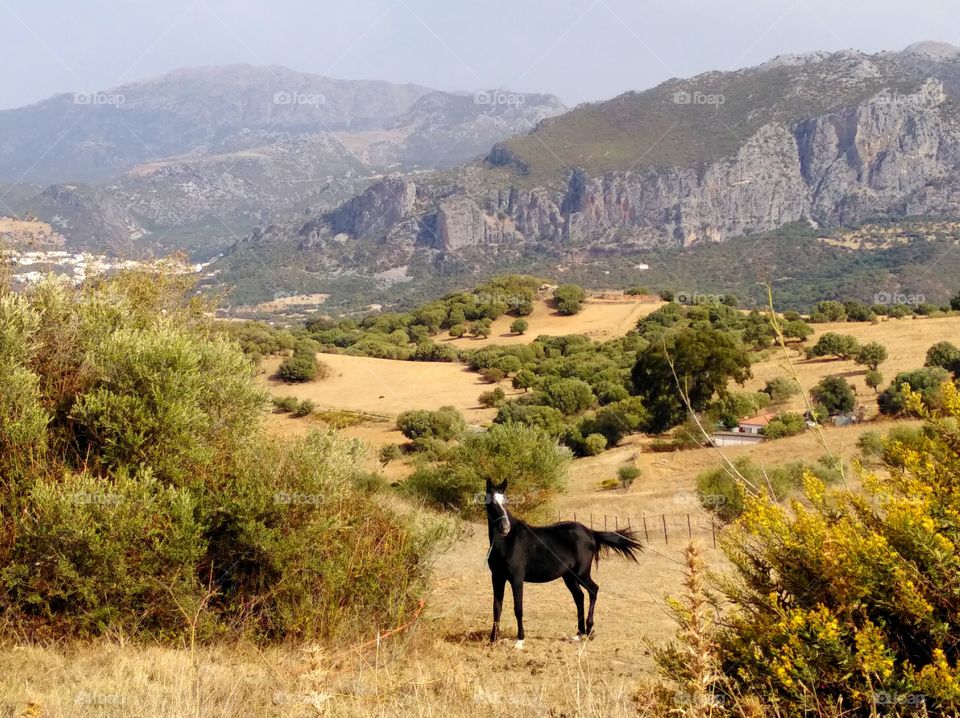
377 209
891 154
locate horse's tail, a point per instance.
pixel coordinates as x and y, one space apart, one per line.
624 542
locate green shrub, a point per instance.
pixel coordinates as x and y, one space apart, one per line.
839 346
873 379
780 389
532 461
519 326
543 417
493 374
872 355
569 298
524 379
570 396
299 368
721 493
945 355
626 475
785 424
389 452
444 424
305 408
509 364
155 485
834 394
594 444
492 398
927 381
286 404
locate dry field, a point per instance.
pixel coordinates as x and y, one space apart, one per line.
906 340
600 319
387 387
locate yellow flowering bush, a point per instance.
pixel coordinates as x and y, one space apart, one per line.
849 600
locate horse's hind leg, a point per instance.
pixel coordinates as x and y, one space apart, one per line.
574 586
593 589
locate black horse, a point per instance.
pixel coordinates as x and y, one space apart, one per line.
538 554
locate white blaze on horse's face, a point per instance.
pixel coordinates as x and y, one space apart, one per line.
503 521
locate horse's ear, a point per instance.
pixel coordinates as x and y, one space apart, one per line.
489 486
503 487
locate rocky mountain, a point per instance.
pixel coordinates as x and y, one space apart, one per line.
195 158
99 135
442 129
826 139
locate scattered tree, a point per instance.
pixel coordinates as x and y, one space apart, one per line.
834 394
519 326
702 361
873 380
569 298
872 355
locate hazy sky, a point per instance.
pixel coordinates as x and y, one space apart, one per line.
584 50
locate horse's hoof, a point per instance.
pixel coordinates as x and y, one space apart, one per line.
575 639
518 645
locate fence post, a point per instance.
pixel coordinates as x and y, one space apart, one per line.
616 524
591 521
645 534
713 528
574 515
666 539
689 528
604 522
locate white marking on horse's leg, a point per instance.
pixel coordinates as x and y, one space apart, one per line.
576 638
518 645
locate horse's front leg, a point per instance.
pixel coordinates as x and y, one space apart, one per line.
499 584
517 585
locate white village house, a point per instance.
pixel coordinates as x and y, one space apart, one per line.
747 433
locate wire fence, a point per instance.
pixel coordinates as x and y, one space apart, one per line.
652 527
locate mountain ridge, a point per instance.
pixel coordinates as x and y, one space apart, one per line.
831 140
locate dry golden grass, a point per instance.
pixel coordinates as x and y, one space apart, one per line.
600 319
906 340
388 387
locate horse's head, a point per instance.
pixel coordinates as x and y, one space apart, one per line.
496 503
